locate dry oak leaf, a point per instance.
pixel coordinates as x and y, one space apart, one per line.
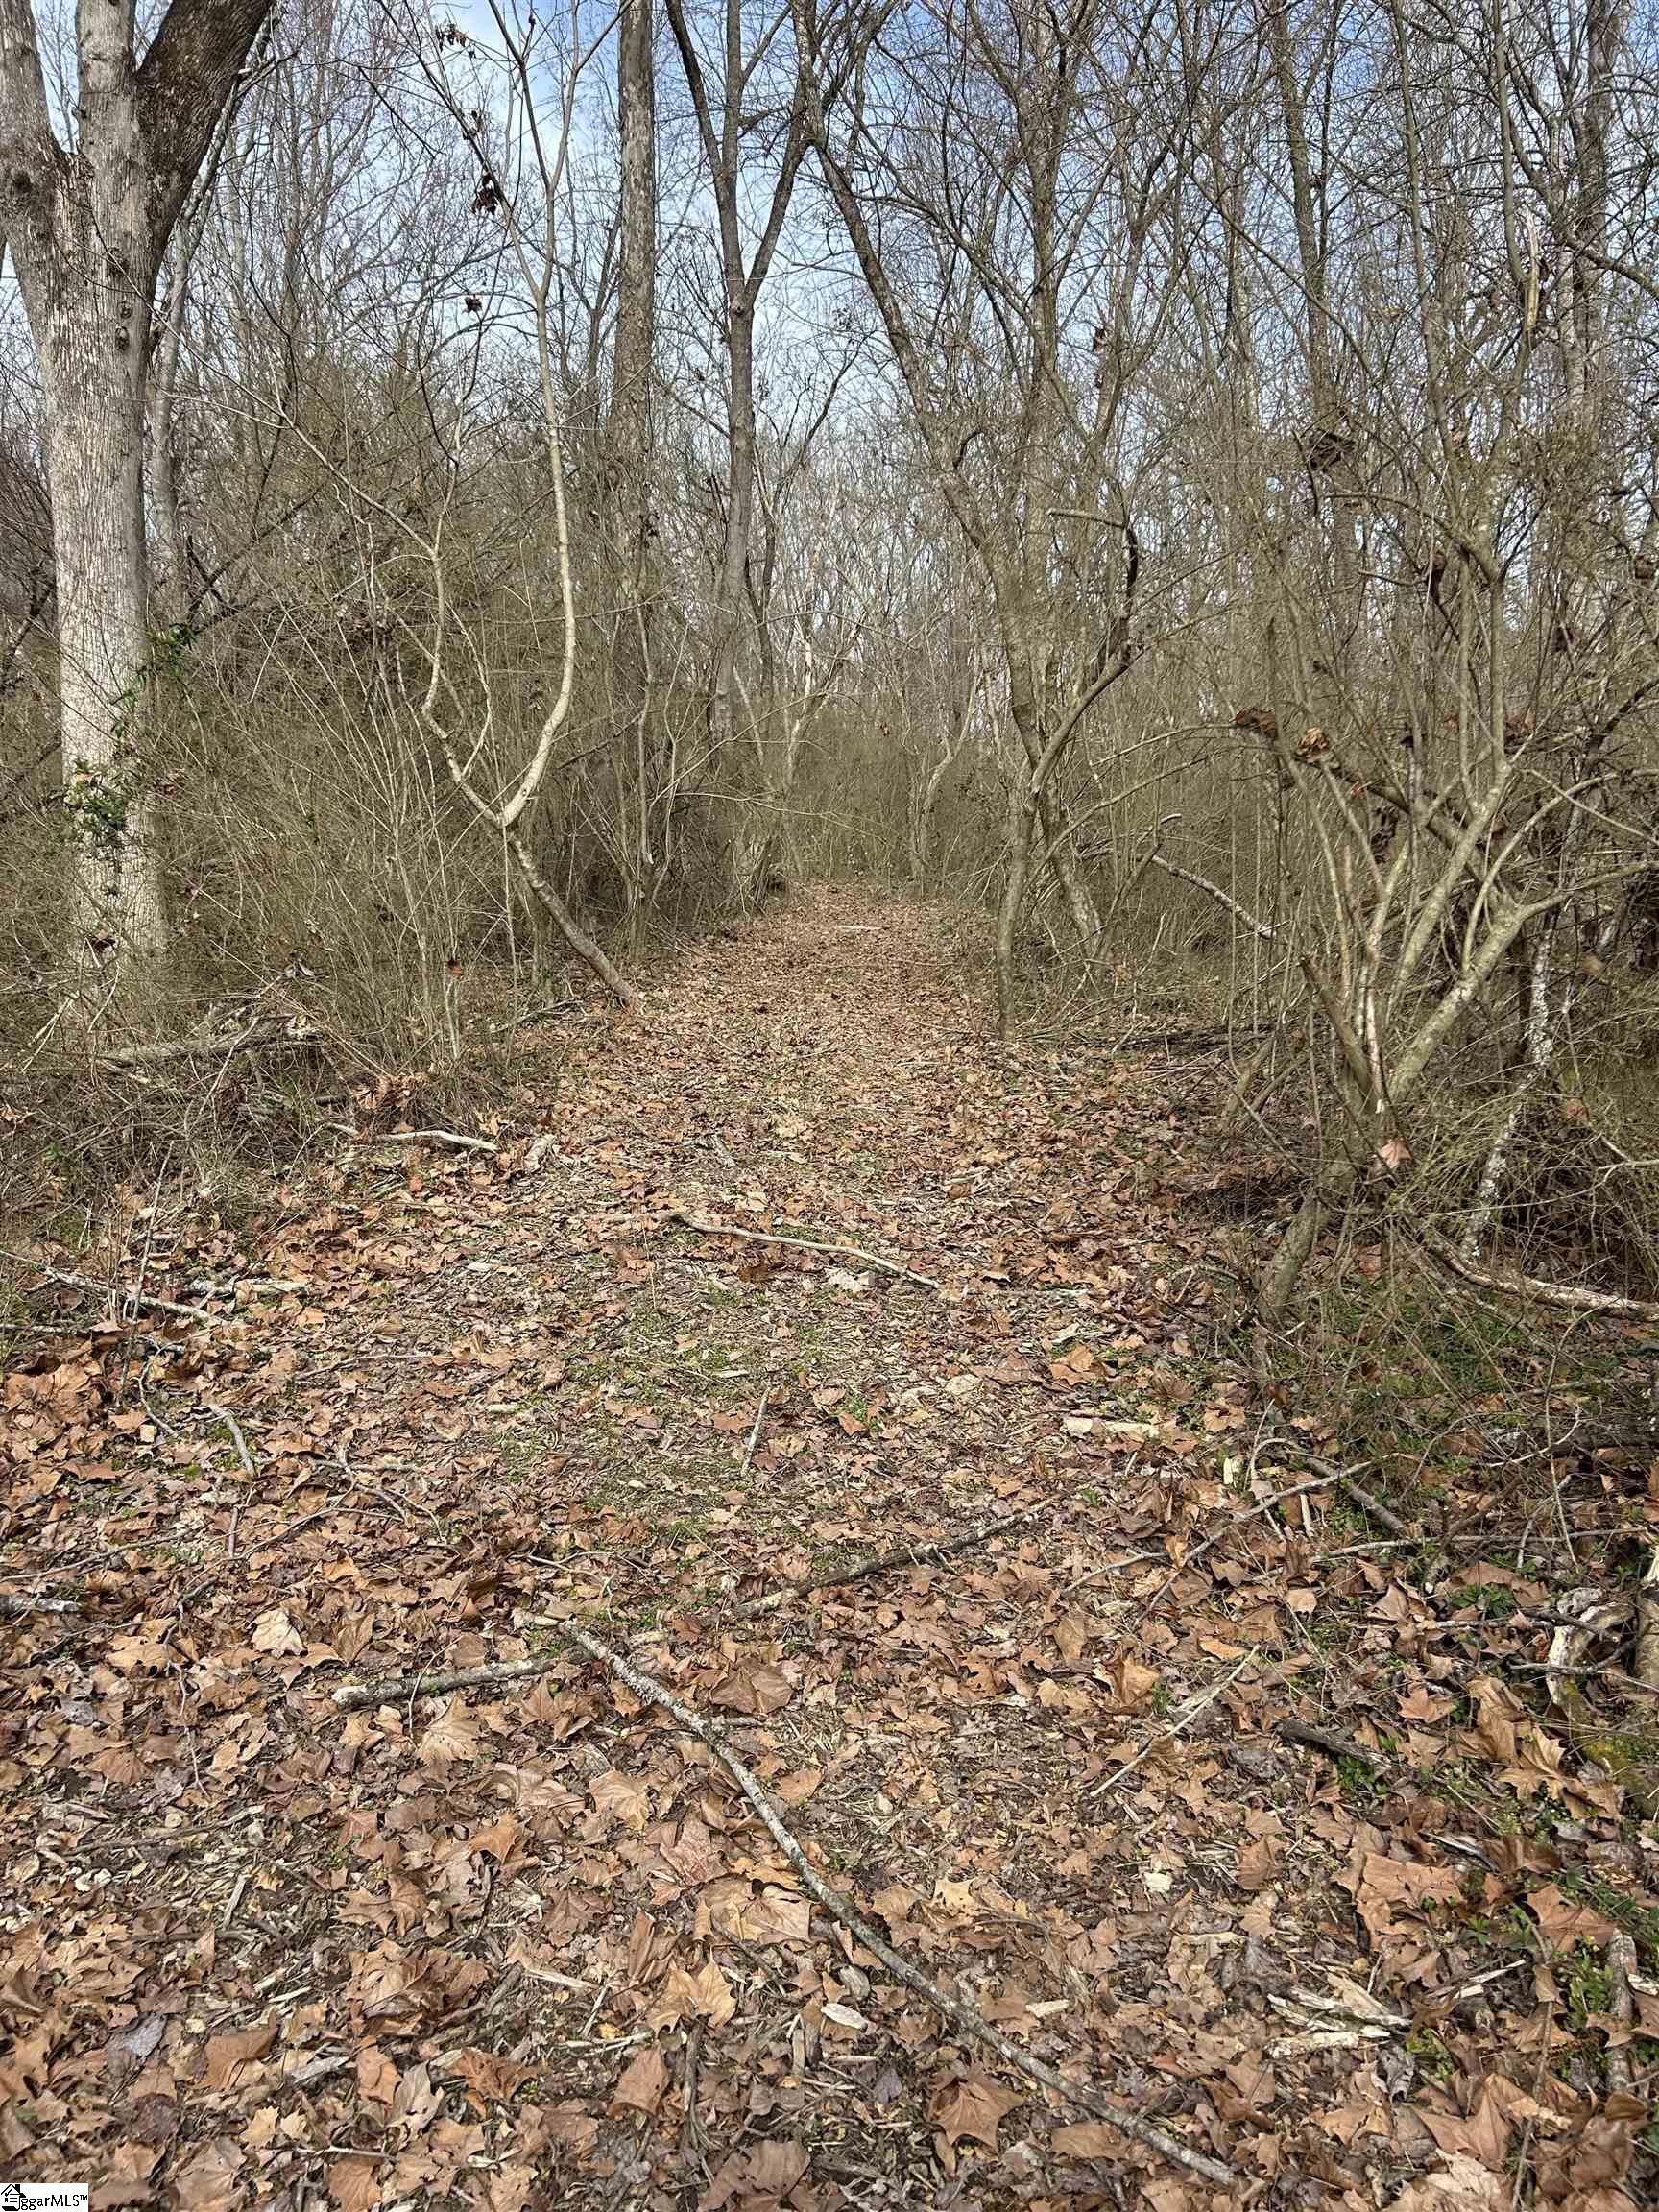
1086 2139
623 1796
702 1995
273 1633
974 2107
1462 2185
508 2190
571 2125
1387 1885
501 1840
643 2081
229 2056
209 2182
1133 1683
452 1736
353 2183
760 2178
775 1916
376 2076
489 2079
1563 1921
758 1691
416 2102
1483 2137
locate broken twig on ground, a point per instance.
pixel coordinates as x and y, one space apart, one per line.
841 1909
804 1244
880 1562
137 1301
1577 1297
16 1606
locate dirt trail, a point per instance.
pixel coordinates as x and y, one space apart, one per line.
522 1945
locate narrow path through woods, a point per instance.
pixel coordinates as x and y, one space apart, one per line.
523 1944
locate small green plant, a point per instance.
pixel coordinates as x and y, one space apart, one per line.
1588 1990
1432 2053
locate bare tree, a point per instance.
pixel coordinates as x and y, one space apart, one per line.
1004 179
89 219
631 446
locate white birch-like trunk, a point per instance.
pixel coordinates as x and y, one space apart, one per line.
87 218
93 367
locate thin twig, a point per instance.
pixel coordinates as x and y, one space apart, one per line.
1347 1480
137 1300
804 1244
260 1038
1621 2011
1332 1745
451 1140
954 2009
15 1606
1182 1720
753 1437
238 1439
879 1563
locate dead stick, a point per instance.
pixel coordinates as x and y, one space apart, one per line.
804 1244
1346 1479
1577 1297
1332 1745
753 1437
241 1442
450 1139
1621 2010
959 2014
15 1607
138 1300
400 1686
879 1562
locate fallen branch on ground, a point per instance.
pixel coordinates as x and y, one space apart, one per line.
136 1301
428 1684
262 1037
240 1441
802 1244
16 1607
1332 1745
840 1908
1346 1481
359 1694
880 1562
1577 1297
1621 2011
447 1139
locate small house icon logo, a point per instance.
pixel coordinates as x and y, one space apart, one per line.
11 2197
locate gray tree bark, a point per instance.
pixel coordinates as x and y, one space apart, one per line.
87 222
632 431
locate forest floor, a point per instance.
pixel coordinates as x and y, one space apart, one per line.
523 1944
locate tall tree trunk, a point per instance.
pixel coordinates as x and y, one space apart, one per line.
87 223
631 441
94 368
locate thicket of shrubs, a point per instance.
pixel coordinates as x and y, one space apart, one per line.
1234 579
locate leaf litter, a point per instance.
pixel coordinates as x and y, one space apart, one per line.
522 1940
